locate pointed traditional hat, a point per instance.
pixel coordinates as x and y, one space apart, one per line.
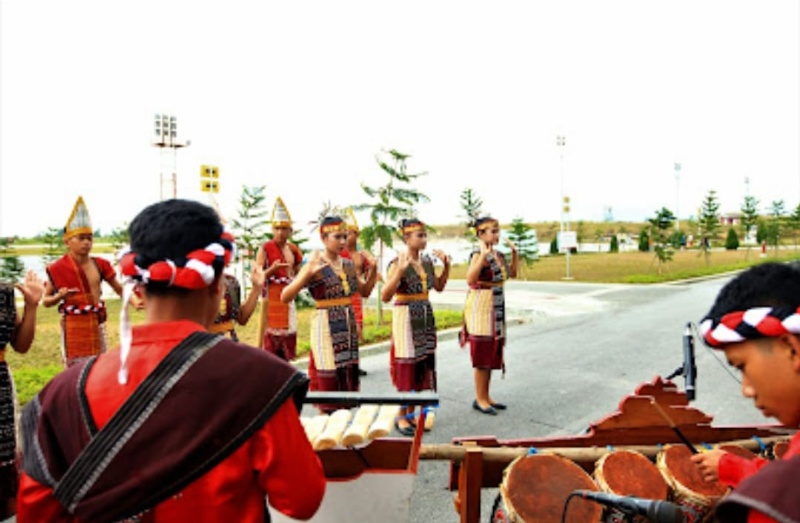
280 214
350 220
79 221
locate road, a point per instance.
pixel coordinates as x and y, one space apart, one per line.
575 350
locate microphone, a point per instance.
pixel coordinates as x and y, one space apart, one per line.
655 511
689 368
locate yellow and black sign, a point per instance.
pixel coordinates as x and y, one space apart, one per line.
209 178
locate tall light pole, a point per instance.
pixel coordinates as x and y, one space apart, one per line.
677 195
166 139
561 142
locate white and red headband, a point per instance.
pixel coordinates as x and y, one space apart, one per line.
758 322
197 273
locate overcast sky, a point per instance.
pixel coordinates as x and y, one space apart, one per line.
300 96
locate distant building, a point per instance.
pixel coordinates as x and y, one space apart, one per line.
730 218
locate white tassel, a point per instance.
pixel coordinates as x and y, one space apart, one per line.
125 333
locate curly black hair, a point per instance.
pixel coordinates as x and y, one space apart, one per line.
170 230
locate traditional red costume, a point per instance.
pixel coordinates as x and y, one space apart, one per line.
265 451
278 322
82 318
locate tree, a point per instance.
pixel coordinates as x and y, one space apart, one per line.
554 245
54 246
761 231
614 245
472 205
524 237
248 226
661 227
732 240
749 219
794 224
776 223
644 241
709 222
120 237
391 202
11 266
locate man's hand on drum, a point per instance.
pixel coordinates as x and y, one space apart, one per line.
708 463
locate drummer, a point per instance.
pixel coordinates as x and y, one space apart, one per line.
755 320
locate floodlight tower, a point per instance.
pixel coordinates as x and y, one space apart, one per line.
166 139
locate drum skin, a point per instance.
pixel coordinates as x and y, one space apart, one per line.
687 484
628 473
535 488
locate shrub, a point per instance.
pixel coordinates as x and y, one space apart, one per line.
732 241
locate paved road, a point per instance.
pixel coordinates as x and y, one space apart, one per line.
578 350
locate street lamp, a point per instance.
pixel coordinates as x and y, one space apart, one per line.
677 195
564 239
166 139
561 141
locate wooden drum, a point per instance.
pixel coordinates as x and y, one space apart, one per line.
697 496
737 450
535 489
629 473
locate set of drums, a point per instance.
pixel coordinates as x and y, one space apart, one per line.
536 488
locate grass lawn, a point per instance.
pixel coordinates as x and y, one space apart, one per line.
43 361
642 267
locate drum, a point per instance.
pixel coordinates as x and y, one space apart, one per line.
779 449
737 450
629 473
535 489
688 488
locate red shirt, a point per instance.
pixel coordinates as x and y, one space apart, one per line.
277 461
733 469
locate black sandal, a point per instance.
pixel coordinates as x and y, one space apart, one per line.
405 431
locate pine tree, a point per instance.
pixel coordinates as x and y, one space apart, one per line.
54 245
11 266
776 224
709 222
249 224
524 237
749 219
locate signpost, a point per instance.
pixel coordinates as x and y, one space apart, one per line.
209 178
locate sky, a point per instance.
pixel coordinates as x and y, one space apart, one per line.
303 96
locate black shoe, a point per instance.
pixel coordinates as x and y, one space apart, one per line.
489 410
405 431
362 372
499 406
